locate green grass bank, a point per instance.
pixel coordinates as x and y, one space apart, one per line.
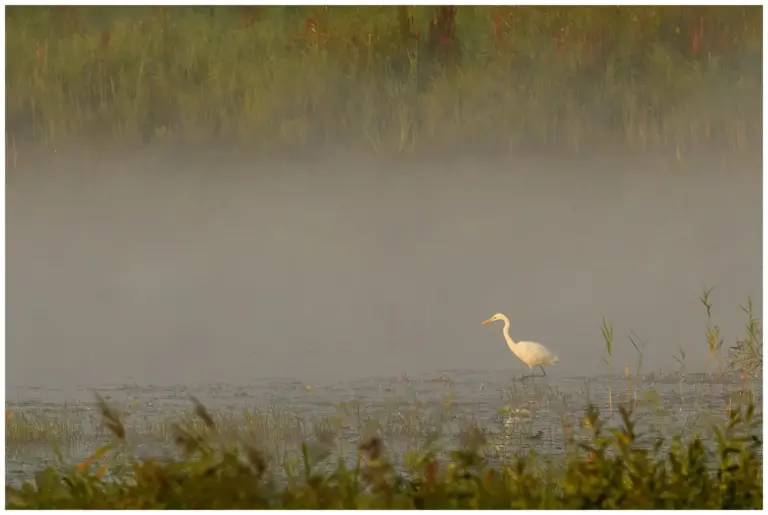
521 80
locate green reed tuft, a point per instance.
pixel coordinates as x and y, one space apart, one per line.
669 80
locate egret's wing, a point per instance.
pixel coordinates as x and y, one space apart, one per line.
538 352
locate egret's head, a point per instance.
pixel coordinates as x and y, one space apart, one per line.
494 318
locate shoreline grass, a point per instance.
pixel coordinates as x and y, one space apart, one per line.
389 80
613 468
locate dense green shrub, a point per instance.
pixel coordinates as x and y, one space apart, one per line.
388 79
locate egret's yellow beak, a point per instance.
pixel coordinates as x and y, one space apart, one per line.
488 321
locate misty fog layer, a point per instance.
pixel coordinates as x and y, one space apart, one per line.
156 272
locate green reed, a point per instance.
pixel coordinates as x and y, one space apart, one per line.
668 80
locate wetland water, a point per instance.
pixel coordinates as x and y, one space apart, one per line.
155 270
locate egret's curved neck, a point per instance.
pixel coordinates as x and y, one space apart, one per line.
509 339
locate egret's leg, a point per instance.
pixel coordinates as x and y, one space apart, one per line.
542 370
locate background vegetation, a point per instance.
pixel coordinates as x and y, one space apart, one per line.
576 80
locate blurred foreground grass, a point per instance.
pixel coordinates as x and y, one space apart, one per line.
669 80
614 468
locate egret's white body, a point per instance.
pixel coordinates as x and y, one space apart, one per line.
531 353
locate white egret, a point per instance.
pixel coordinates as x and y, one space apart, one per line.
531 353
